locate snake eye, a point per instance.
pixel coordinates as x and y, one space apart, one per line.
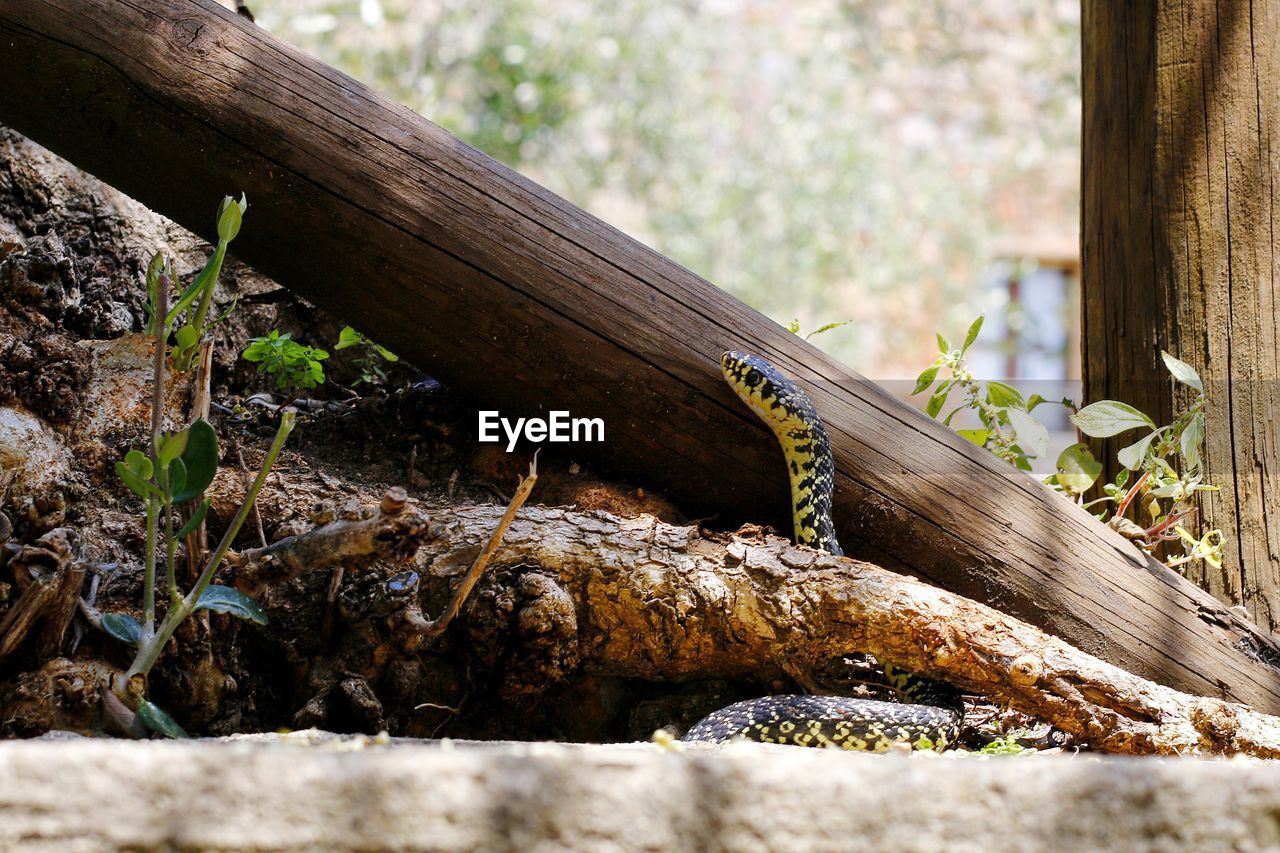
753 377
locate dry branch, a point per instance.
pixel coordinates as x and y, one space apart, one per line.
419 628
658 601
393 530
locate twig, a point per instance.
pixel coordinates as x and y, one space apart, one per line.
257 516
157 415
437 626
1133 492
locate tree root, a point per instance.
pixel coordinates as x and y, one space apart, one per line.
661 602
49 579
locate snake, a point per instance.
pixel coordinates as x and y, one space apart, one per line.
930 713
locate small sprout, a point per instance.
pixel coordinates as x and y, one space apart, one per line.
180 468
794 328
369 355
292 366
1007 745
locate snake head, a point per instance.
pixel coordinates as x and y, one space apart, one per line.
776 399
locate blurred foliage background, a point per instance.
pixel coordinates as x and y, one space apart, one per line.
824 160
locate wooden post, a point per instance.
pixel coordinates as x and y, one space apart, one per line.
509 293
1180 247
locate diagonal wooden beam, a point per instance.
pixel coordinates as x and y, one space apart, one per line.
512 295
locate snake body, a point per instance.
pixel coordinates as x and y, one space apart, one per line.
932 719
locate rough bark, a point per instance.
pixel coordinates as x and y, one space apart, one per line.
656 601
512 295
1179 249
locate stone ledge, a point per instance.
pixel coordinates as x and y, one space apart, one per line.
301 793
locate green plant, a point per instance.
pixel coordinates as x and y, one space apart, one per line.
794 328
174 474
369 355
1007 745
292 366
1165 460
187 336
1008 429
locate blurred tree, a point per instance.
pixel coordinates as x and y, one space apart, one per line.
822 160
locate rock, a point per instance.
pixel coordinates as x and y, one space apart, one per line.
307 791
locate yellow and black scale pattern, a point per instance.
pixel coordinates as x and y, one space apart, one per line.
933 720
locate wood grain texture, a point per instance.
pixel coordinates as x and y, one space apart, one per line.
1179 226
511 294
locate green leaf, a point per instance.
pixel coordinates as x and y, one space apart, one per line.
794 327
187 336
1135 454
1000 394
972 335
977 436
349 337
170 445
828 327
196 518
201 460
225 599
1077 469
1191 439
386 353
944 345
1033 438
177 477
159 722
1033 401
123 627
936 402
139 463
136 484
1106 418
1183 372
925 379
230 214
1121 478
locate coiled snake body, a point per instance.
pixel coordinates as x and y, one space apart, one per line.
933 720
